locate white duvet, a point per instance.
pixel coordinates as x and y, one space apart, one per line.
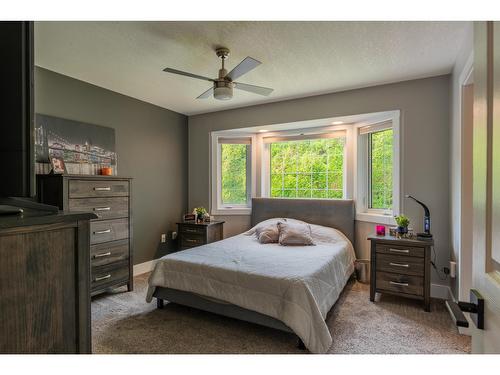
296 285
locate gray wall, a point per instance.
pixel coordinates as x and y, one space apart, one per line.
425 125
151 143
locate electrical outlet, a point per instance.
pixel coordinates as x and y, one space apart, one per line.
163 238
174 235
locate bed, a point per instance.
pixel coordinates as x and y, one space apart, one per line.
288 288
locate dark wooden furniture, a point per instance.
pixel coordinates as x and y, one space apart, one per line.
192 234
17 105
401 267
110 234
45 283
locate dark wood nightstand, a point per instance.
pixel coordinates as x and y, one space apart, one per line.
401 267
193 234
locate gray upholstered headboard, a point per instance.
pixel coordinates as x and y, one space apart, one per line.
334 213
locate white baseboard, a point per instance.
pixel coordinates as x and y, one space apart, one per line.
145 267
441 291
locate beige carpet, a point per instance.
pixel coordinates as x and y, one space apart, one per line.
124 323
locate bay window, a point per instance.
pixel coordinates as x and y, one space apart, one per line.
359 160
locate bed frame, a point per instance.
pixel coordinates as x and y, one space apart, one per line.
338 214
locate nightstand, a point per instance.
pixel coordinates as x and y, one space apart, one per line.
401 267
193 234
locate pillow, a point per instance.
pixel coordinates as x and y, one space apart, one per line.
265 223
295 234
268 233
261 225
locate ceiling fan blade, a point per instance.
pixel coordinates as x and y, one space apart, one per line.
243 67
206 94
266 91
180 72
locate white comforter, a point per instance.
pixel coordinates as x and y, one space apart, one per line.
296 285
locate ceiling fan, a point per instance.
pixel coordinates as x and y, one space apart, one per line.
223 85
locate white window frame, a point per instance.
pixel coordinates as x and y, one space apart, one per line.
355 168
298 135
363 212
217 207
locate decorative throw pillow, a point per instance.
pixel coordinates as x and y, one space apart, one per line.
261 225
295 234
268 233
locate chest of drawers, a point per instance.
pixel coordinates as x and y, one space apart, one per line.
191 234
110 234
401 267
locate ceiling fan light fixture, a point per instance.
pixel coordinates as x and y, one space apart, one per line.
224 84
223 92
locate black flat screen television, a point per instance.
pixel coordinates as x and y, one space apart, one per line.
17 163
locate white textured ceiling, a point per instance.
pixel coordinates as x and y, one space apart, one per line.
299 58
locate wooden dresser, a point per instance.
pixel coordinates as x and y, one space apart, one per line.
192 234
110 234
44 283
401 267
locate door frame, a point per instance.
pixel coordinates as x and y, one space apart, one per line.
464 260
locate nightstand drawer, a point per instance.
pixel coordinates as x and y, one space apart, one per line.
400 283
401 250
400 264
192 240
191 229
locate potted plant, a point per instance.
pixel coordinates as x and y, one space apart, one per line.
403 223
200 213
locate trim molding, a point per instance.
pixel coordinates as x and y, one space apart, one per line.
145 267
441 291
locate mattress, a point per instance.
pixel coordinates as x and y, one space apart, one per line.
297 285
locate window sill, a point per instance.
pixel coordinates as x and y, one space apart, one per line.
375 218
231 211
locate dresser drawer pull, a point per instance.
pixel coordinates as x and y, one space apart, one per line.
102 277
396 283
399 251
107 188
399 265
192 241
103 255
102 208
102 231
191 230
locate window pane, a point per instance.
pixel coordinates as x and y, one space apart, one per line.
381 169
234 173
307 169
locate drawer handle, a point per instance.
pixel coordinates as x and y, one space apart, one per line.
399 265
107 188
102 277
102 255
396 283
102 231
191 230
102 208
399 251
188 240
